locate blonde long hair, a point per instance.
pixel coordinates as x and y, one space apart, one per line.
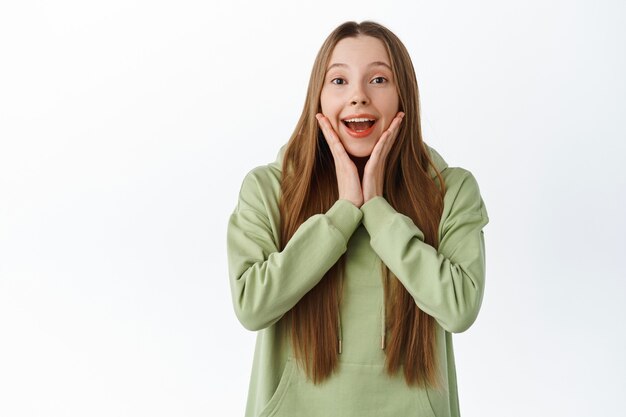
309 186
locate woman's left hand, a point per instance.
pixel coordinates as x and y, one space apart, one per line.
374 172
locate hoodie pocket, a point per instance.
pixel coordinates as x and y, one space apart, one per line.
285 380
354 390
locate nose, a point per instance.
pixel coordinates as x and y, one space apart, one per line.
361 101
359 97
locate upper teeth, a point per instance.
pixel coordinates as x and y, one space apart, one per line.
359 119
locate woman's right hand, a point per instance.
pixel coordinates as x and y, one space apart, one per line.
348 180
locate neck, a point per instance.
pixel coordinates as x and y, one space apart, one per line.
360 162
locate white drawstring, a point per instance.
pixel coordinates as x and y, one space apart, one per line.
340 331
383 329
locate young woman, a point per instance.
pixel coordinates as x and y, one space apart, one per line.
359 251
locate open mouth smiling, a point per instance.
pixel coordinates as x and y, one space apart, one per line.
359 124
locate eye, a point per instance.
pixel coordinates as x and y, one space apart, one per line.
379 80
338 81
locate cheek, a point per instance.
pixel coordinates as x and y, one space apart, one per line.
326 102
329 107
323 100
389 103
388 98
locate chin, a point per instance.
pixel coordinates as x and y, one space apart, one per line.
359 151
360 154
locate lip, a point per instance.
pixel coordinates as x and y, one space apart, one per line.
363 133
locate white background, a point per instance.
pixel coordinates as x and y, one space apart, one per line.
126 129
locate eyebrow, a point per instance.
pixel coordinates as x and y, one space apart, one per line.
372 64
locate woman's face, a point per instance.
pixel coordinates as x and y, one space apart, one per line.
359 95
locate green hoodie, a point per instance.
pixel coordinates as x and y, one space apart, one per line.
447 284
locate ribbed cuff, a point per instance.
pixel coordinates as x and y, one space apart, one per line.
345 216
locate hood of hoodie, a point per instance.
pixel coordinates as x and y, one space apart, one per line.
437 159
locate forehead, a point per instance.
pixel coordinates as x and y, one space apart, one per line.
359 51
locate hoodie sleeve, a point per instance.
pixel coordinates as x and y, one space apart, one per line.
446 283
266 283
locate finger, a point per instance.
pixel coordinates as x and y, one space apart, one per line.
329 134
327 129
376 152
395 123
387 138
392 133
335 145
